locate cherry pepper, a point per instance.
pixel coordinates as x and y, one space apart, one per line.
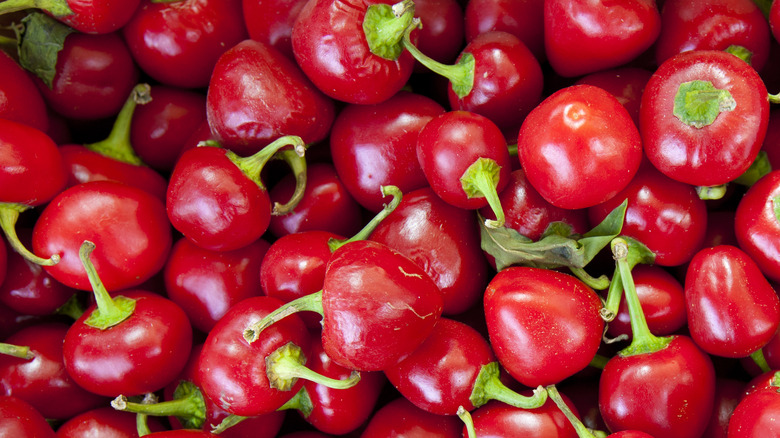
91 17
677 401
31 174
377 305
217 200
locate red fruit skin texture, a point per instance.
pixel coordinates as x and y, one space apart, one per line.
522 18
732 309
497 420
757 227
378 306
20 99
20 419
677 402
400 418
274 28
99 16
544 325
256 95
105 422
330 46
756 415
178 43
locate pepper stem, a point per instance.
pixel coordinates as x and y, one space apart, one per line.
311 302
109 311
187 405
9 215
582 431
366 231
58 8
301 402
488 386
141 425
760 360
711 193
614 294
295 159
253 165
20 351
465 417
384 27
286 365
226 423
117 145
481 180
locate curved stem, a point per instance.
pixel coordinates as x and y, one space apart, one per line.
117 145
582 431
366 231
295 159
58 8
301 402
760 167
253 165
286 365
187 405
614 294
481 180
760 360
109 311
9 215
311 302
227 423
141 425
600 283
465 417
488 386
20 351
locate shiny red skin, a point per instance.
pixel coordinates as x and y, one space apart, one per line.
84 165
20 419
522 18
127 225
450 143
625 83
271 21
663 303
294 266
93 77
579 147
400 418
732 309
232 372
441 374
757 227
326 204
442 32
676 402
43 381
161 128
665 215
99 16
31 166
330 46
375 145
528 213
178 43
756 415
205 283
340 411
105 422
213 203
586 37
20 99
443 240
496 420
714 154
378 306
544 325
728 393
713 25
147 350
256 95
508 80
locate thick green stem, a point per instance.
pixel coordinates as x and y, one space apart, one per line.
460 74
760 167
72 308
582 431
711 193
109 311
117 145
187 405
286 365
295 159
253 165
488 386
614 294
141 425
760 361
465 417
58 8
480 180
20 351
311 302
9 215
599 361
363 234
598 283
385 25
643 340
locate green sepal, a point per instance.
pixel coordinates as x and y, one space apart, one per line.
488 386
480 180
698 103
40 41
125 307
462 84
384 27
558 247
187 390
757 170
740 52
301 402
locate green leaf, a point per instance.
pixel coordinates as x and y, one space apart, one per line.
698 103
40 42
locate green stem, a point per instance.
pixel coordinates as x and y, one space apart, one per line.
512 150
643 340
480 180
311 302
488 386
582 431
600 283
58 8
20 351
465 417
286 365
460 74
253 165
72 308
366 231
760 167
774 98
760 360
9 215
599 361
295 159
384 27
300 402
109 311
614 294
117 145
141 425
227 422
711 193
187 405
